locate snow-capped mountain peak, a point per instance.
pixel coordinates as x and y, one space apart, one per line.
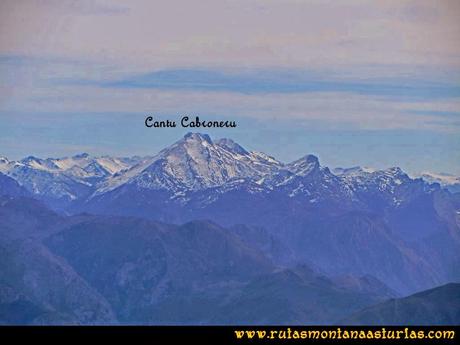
4 164
39 164
304 165
64 179
231 146
197 137
197 163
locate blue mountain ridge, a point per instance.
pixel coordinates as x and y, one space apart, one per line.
367 235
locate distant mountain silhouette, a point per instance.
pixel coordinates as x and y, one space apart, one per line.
438 306
205 223
105 270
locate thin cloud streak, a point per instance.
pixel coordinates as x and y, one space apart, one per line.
283 82
312 65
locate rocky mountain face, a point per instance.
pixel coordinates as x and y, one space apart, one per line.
61 181
9 186
196 164
403 231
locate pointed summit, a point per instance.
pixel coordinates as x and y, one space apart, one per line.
196 162
199 137
29 159
396 171
304 165
231 146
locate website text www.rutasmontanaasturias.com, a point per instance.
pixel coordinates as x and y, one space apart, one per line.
339 333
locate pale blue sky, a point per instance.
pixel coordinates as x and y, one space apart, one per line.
361 83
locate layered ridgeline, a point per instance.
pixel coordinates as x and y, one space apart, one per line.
385 224
438 306
88 269
61 181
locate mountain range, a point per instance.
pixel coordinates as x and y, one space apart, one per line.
438 306
88 269
194 163
208 232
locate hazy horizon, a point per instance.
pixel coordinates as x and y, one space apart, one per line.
372 84
323 162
